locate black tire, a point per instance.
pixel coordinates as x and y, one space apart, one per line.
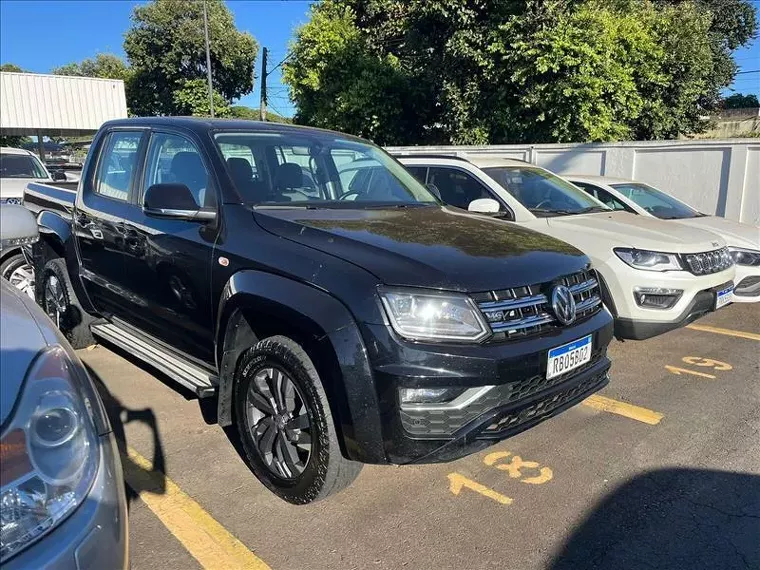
325 471
60 303
9 269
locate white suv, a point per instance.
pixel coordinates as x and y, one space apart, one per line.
638 198
656 276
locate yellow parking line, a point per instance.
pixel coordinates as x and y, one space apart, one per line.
203 537
729 332
622 409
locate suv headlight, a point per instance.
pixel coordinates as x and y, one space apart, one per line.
649 260
48 454
743 256
434 316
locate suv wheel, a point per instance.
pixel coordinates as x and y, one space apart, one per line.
60 303
283 418
19 273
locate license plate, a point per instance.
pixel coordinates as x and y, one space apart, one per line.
724 297
568 357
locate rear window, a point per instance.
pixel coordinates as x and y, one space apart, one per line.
20 166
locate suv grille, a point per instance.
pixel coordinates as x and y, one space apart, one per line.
708 262
524 311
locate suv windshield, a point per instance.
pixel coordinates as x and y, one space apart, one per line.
656 202
316 170
543 193
20 166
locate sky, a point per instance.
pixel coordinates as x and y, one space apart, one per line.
39 35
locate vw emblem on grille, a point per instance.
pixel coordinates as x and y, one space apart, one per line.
563 304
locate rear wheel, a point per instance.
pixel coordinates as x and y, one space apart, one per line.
60 303
283 418
19 273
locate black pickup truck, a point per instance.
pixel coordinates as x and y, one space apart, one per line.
339 319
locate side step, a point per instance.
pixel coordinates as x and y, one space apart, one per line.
189 375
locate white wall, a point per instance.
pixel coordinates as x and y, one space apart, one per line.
716 177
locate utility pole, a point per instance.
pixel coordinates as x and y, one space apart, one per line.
263 107
208 60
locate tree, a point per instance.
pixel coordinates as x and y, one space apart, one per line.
739 101
104 66
250 114
192 99
14 141
488 71
166 50
12 67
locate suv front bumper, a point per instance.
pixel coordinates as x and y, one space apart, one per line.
509 378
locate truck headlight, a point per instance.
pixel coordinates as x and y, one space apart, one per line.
48 454
743 256
649 260
434 316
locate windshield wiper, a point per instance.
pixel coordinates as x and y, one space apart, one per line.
555 211
590 209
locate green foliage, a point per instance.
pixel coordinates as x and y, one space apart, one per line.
192 99
250 114
104 66
14 141
166 50
12 67
488 71
739 101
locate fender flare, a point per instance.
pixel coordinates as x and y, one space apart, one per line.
254 301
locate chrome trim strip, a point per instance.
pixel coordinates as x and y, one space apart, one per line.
585 286
462 401
589 303
527 322
513 303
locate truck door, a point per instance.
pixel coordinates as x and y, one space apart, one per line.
101 237
169 279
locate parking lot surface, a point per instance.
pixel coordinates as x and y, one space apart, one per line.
661 471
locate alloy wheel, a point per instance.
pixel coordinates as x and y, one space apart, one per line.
54 300
22 278
279 422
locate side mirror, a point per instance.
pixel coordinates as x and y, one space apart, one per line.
434 190
174 201
484 206
58 175
18 226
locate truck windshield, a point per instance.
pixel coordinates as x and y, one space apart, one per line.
20 166
656 202
316 170
543 193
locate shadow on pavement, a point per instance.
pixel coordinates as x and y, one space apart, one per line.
674 519
138 478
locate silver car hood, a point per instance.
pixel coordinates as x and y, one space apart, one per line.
21 340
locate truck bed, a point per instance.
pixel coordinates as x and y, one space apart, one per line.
59 198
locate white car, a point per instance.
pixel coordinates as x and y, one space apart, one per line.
655 276
19 167
636 197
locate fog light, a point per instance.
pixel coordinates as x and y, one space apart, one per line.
656 297
428 395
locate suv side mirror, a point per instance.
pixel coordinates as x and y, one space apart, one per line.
484 206
58 175
18 226
174 201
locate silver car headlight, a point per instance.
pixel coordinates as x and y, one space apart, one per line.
49 453
434 316
743 256
649 260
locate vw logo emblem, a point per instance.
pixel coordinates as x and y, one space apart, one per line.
563 304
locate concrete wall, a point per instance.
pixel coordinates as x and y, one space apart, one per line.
716 177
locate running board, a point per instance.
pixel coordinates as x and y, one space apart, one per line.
192 377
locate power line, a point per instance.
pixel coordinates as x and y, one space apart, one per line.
751 71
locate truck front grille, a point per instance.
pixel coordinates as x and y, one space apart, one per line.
525 311
708 262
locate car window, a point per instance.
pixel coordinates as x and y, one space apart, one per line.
603 196
323 170
655 201
20 166
116 168
457 188
419 172
542 192
175 159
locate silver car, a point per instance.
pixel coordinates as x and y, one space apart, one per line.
62 497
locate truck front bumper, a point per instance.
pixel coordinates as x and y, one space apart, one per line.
503 388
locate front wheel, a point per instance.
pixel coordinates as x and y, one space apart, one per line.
19 273
284 421
60 303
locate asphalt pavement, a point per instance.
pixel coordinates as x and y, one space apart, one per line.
662 470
